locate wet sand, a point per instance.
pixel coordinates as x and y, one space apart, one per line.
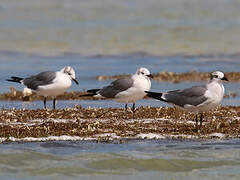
113 123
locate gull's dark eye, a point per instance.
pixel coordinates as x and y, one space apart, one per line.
142 73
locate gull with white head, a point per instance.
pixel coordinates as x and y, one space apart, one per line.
197 99
126 90
48 83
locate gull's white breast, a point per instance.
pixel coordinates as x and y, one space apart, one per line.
136 92
214 95
59 85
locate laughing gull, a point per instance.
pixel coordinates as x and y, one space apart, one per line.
48 83
197 99
126 90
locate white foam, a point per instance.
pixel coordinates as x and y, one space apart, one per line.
61 120
150 136
183 136
219 135
50 138
108 135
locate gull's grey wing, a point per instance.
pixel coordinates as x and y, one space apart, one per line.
43 78
116 87
192 96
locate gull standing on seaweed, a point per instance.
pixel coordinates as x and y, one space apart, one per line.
48 83
126 90
197 99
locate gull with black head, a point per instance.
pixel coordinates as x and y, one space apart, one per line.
48 83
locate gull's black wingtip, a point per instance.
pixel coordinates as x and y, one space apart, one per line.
92 92
15 79
86 95
154 95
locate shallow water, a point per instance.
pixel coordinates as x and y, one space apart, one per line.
165 159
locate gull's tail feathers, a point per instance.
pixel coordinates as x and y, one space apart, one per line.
92 92
15 79
155 95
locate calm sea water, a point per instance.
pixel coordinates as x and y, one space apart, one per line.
131 160
114 27
114 37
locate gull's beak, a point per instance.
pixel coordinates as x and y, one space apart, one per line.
150 76
224 79
75 81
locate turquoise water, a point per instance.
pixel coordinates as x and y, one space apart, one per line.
111 37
